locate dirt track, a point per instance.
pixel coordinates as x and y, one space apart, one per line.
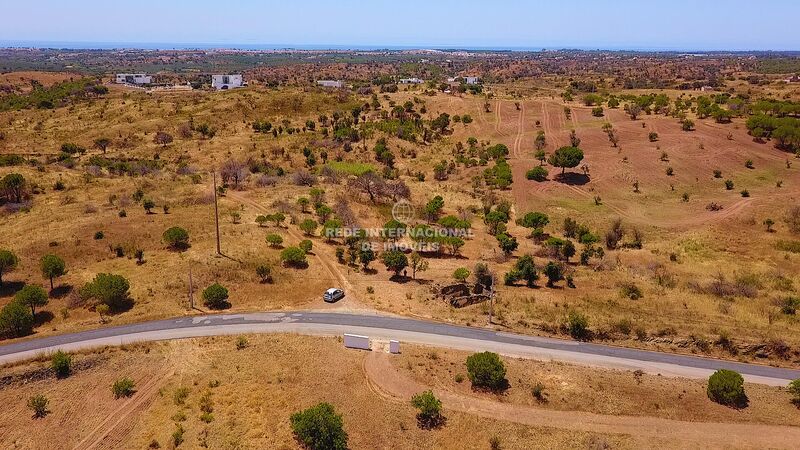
386 381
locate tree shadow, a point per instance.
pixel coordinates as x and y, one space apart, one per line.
42 317
501 388
400 279
370 271
572 178
9 288
61 291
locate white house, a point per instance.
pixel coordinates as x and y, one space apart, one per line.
411 81
472 80
133 78
226 81
330 83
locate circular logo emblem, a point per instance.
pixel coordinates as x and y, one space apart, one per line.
402 211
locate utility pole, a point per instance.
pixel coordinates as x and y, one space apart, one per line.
216 211
191 289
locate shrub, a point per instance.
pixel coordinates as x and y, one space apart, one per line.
319 428
274 240
726 387
729 185
486 370
31 296
108 289
538 173
461 274
180 395
264 272
631 291
38 403
242 343
294 257
61 363
538 393
794 389
124 387
216 297
578 325
306 245
177 435
177 238
16 320
98 235
430 410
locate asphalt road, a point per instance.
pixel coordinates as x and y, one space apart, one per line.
383 328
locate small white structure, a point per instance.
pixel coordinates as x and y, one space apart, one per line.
133 78
472 80
394 346
356 341
220 82
411 81
330 83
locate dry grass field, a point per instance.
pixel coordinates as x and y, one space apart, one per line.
253 392
684 244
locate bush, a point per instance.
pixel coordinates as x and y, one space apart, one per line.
294 257
177 435
124 387
430 410
216 297
306 245
16 320
180 395
794 389
38 403
319 428
726 387
177 238
264 272
538 173
631 291
486 370
461 274
108 289
61 363
274 240
578 325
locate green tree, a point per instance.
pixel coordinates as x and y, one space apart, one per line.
274 240
726 387
52 267
553 272
566 157
8 263
216 297
16 320
418 264
507 243
148 205
430 409
319 428
102 144
108 289
434 207
303 202
524 269
177 238
294 257
31 296
461 274
534 221
14 186
486 370
395 261
366 256
306 245
308 226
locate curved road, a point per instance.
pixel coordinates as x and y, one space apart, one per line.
380 327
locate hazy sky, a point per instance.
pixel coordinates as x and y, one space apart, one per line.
673 24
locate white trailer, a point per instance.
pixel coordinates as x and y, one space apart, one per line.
356 341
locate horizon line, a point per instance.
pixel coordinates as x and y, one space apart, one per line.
123 45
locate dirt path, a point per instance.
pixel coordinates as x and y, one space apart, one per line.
112 431
321 255
386 381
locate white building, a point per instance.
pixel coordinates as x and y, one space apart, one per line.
411 81
133 78
226 81
472 80
330 83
